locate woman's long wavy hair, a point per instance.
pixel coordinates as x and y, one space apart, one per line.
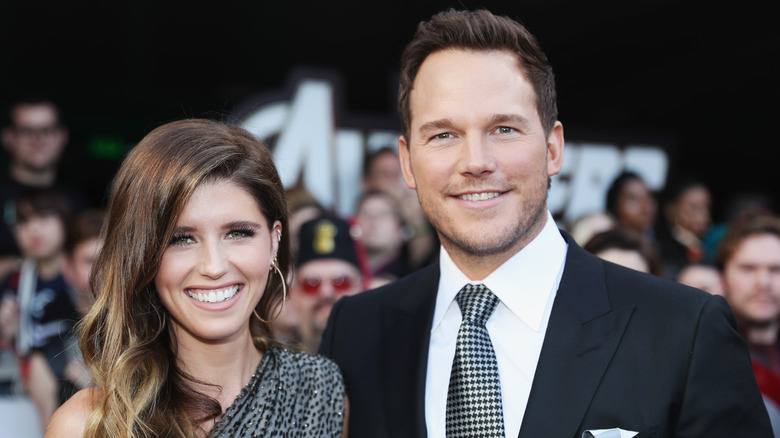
126 343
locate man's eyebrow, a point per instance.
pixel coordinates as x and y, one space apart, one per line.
503 118
436 125
439 124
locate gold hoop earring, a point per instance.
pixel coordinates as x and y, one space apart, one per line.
275 266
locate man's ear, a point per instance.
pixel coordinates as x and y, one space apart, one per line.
406 163
555 144
64 136
7 138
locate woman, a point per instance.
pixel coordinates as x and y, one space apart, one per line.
192 271
631 202
685 222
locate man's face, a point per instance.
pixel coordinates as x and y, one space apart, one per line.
751 279
36 139
318 284
477 153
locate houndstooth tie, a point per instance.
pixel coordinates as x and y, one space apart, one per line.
474 396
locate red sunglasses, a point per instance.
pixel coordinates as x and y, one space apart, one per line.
341 283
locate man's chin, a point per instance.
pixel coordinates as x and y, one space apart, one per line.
321 317
760 323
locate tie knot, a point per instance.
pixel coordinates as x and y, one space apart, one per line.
476 303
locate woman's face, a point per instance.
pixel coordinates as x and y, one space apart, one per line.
692 210
41 237
215 268
636 207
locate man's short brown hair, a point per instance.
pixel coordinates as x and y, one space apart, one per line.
478 31
762 224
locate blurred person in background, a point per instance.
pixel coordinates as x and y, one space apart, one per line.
37 309
81 251
34 137
328 267
303 208
383 233
632 204
686 219
625 247
702 276
382 172
590 224
749 260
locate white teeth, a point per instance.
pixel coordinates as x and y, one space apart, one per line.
479 196
214 296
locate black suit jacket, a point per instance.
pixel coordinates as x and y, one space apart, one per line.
622 349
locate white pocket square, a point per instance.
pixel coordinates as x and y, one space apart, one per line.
609 433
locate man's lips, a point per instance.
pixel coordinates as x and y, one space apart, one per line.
481 196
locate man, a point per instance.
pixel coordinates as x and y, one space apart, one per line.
327 268
34 138
581 345
749 260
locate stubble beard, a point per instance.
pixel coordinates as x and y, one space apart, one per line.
486 242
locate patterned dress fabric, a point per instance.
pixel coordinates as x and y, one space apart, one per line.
474 395
291 395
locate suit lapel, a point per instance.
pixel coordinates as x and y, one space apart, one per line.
406 331
581 338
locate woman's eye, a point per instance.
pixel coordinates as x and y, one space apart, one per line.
181 240
240 234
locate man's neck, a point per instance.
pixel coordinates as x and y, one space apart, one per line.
763 334
478 266
33 178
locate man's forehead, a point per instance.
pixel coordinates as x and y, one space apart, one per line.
35 112
487 77
759 248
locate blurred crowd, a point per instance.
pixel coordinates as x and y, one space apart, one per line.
50 236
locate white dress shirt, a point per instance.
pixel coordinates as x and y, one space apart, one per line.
525 285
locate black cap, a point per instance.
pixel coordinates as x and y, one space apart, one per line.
326 237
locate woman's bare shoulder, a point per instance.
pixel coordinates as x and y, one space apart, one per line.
70 419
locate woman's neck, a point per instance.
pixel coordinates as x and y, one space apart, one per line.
228 365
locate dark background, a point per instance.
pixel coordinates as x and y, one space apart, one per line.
702 75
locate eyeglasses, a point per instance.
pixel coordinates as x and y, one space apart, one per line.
341 283
43 131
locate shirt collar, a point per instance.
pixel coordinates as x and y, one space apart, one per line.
523 283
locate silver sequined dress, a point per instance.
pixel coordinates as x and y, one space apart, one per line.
291 395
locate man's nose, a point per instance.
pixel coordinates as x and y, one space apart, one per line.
477 158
